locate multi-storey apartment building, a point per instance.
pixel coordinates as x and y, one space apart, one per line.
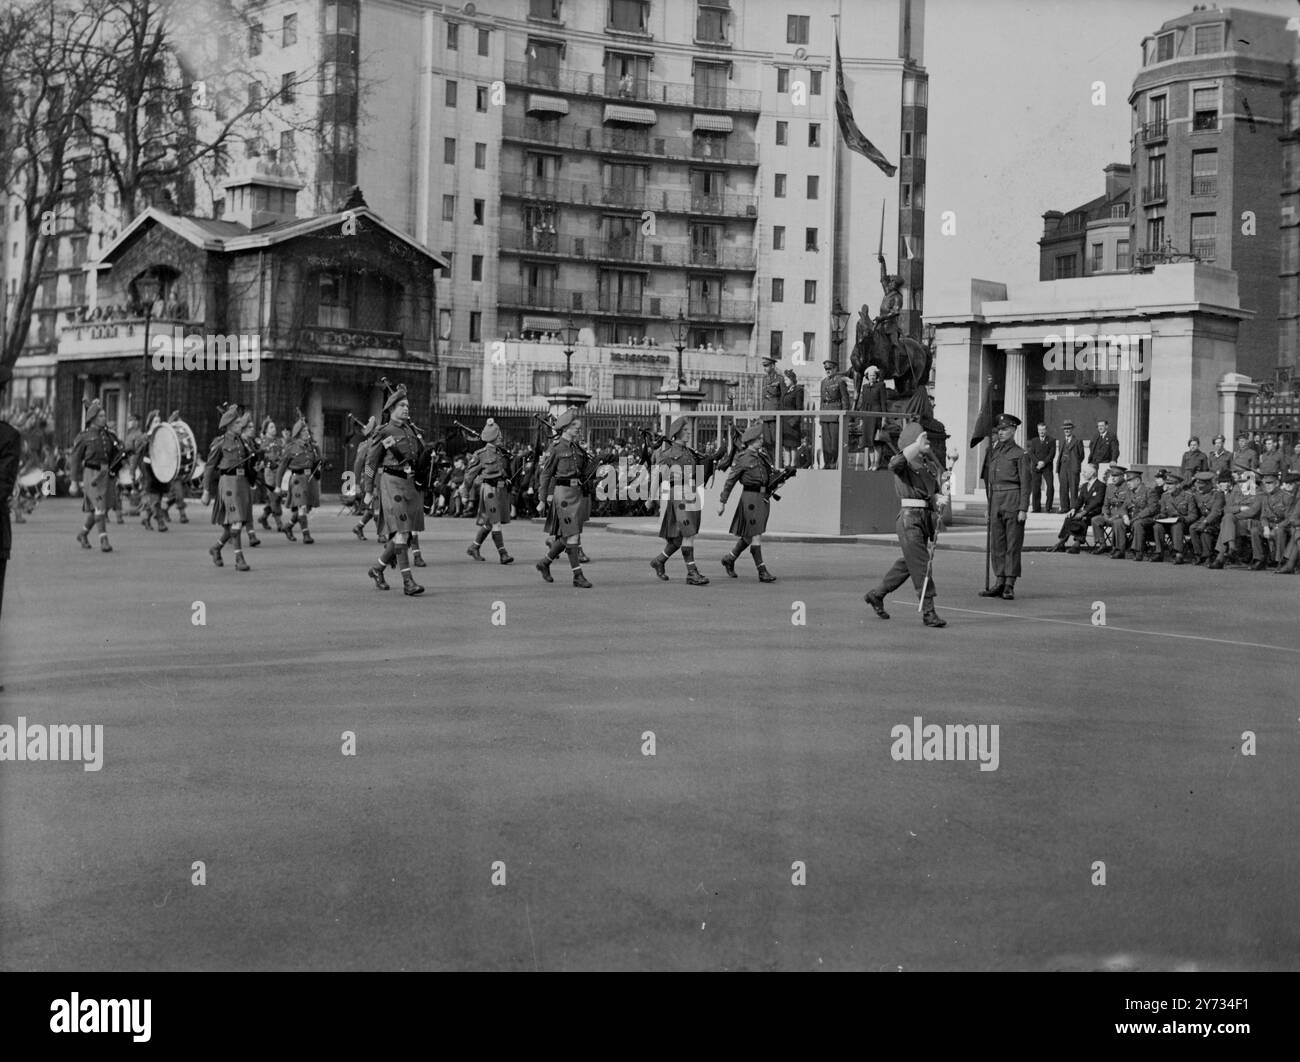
1090 239
1288 322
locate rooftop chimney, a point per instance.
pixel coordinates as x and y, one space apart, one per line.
1119 178
265 195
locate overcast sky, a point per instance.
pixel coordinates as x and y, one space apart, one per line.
1013 132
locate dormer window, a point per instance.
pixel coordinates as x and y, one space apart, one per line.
1208 38
1164 47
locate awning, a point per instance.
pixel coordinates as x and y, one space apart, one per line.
640 115
710 123
547 104
541 324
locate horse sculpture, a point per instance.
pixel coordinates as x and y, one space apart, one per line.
908 366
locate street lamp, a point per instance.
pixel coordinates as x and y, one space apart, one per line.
570 338
839 323
930 331
680 329
147 287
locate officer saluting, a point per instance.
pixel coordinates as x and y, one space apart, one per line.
1006 475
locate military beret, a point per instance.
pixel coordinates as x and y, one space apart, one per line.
677 425
395 397
491 432
228 415
753 432
566 418
93 409
1007 420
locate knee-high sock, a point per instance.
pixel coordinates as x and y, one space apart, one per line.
404 558
390 552
499 540
90 521
101 520
741 545
757 552
671 547
688 554
238 535
481 535
303 520
574 563
557 547
225 536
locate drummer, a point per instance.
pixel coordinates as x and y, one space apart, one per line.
151 489
176 489
226 483
133 441
93 451
269 490
302 458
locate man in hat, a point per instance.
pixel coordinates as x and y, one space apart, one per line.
754 472
366 512
1042 456
489 470
391 459
301 458
918 480
1144 518
1288 531
566 468
177 487
1105 447
1111 509
1240 509
681 503
871 399
1006 476
1177 513
1194 460
93 452
1069 462
272 447
834 396
1211 495
1130 527
771 396
225 484
1274 508
151 490
1086 506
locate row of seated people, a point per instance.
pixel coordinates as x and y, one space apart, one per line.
1217 519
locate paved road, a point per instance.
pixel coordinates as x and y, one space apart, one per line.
522 744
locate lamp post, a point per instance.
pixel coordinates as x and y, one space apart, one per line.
570 338
839 323
680 329
148 288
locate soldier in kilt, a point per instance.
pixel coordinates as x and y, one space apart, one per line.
566 470
682 508
490 469
225 484
753 471
176 488
301 458
94 452
268 493
151 490
366 512
389 475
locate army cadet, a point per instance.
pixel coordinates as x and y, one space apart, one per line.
1006 475
301 458
225 483
682 507
754 472
1219 458
834 396
1194 460
1240 509
918 480
94 452
1176 505
1112 508
360 508
1204 529
489 470
1288 531
566 469
1144 504
771 396
391 458
1274 508
272 447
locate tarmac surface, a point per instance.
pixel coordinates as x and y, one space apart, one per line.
517 748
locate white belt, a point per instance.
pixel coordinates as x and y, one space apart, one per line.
914 503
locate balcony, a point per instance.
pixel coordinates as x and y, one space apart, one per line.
1154 132
632 90
1154 193
1204 249
646 305
1205 185
674 254
629 197
639 142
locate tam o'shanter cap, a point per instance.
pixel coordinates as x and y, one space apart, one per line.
228 415
491 432
565 419
676 426
910 433
754 431
93 409
398 394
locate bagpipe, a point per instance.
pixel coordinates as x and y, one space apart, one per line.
589 463
774 484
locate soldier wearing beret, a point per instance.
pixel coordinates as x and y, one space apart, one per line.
1006 474
1176 514
231 461
133 441
94 452
490 469
834 396
566 470
301 458
1112 509
682 512
1209 512
392 455
918 480
753 470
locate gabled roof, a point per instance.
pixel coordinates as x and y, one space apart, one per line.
212 234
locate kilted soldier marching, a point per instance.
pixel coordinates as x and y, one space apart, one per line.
682 507
302 459
366 512
918 480
176 488
753 470
489 468
391 460
134 441
152 490
96 453
566 470
231 463
272 447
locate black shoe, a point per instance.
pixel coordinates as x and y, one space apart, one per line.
876 602
729 566
1073 549
288 533
84 538
994 591
473 552
241 565
417 558
1258 566
658 567
505 557
307 539
358 530
104 547
544 566
1159 558
266 524
695 578
1216 564
377 574
1059 547
253 540
764 576
1137 557
1097 551
1008 594
215 554
932 619
1117 554
409 586
1178 559
581 580
582 556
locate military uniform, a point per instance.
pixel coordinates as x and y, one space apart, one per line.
564 477
834 395
152 490
1112 507
1144 505
1288 531
1274 509
771 396
681 504
1193 461
134 441
1219 461
230 463
489 471
272 447
93 451
392 456
1239 511
1006 474
1179 505
753 470
1209 515
301 459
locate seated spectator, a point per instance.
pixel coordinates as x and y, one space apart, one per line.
1288 543
1211 489
1086 505
1241 511
1112 509
1274 509
1175 516
1139 513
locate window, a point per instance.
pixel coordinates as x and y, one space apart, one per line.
446 273
289 31
1155 178
628 15
480 156
475 326
809 343
453 36
640 387
782 79
476 267
810 239
1067 265
255 39
1205 108
1155 233
546 382
288 93
778 238
715 391
710 84
814 82
483 42
627 76
547 9
1209 38
448 208
905 197
286 146
810 291
480 206
1098 257
1122 258
782 132
778 289
458 377
812 187
1164 47
1203 236
706 241
543 63
481 99
255 94
1205 172
814 134
779 186
450 97
776 343
907 144
711 25
449 150
796 29
253 147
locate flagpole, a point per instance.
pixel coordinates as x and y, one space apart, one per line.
837 273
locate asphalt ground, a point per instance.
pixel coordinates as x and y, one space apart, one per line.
522 743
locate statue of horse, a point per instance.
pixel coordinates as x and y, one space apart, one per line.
908 367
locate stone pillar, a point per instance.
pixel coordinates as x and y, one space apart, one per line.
676 400
562 398
315 409
1129 427
1014 400
1235 393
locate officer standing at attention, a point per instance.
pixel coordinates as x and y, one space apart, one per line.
1006 474
834 395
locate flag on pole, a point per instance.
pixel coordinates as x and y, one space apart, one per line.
853 136
984 421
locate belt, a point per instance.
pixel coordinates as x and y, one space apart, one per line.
494 482
398 473
568 481
914 503
94 467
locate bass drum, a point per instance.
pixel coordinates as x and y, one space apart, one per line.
173 451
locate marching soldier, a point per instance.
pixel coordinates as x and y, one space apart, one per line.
918 479
566 469
302 459
94 453
366 512
1006 474
489 468
272 447
391 458
176 488
134 441
225 484
754 472
151 491
834 395
682 510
